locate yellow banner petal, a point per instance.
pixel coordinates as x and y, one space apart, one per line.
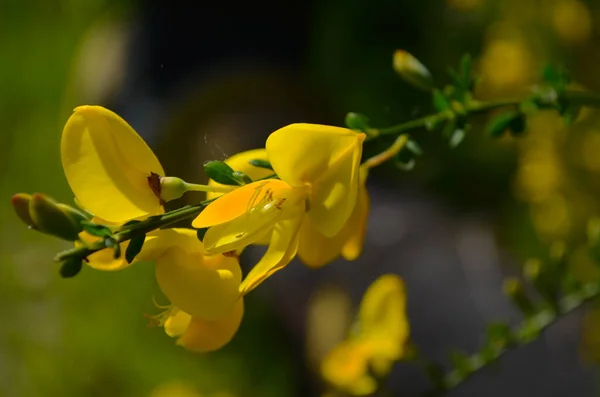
301 153
107 165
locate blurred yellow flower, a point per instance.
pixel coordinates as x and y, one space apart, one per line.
572 21
506 65
381 339
539 174
110 169
318 167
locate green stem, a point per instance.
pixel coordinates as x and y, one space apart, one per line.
192 187
527 332
137 229
578 98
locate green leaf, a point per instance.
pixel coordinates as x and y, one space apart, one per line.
71 267
414 147
570 114
134 248
529 106
110 242
220 172
465 70
96 230
518 124
462 363
501 123
555 76
242 178
455 77
261 164
457 136
499 335
130 223
201 232
440 102
357 121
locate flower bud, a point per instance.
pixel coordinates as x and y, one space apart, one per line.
50 218
71 267
76 215
515 291
172 188
412 70
20 203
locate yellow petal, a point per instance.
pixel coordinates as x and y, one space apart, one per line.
281 251
346 368
205 287
204 336
238 233
259 195
156 242
104 259
316 250
335 193
382 317
325 158
107 165
159 241
354 243
177 322
301 153
241 162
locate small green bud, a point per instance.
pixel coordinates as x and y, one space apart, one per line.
542 281
412 70
20 203
50 218
357 121
172 188
71 267
76 215
514 289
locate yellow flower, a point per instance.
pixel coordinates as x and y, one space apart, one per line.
110 169
314 249
201 336
202 286
383 333
318 170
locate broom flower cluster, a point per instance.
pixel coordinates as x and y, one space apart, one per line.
305 198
